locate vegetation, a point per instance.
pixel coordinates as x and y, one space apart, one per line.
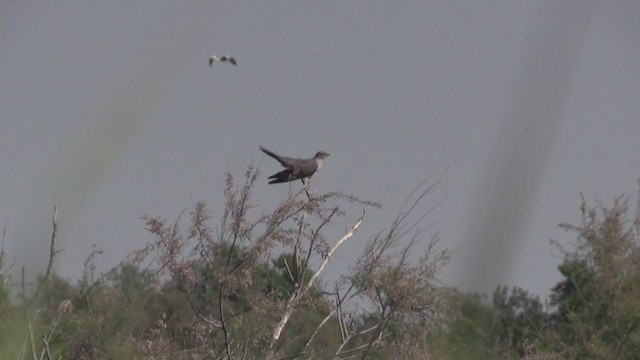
248 286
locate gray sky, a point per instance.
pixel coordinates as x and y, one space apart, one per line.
111 110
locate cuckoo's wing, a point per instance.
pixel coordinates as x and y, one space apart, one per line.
281 177
305 168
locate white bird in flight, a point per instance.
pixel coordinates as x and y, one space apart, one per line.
222 58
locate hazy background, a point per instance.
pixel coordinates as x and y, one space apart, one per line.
111 110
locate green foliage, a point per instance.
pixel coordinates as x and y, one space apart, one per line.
469 330
518 320
596 305
201 297
4 289
598 302
13 331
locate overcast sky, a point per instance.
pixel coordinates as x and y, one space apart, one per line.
111 110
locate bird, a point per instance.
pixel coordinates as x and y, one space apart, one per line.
222 58
295 168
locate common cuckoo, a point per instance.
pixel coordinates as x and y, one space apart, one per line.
295 168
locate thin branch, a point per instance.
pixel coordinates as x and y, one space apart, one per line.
26 315
344 332
313 241
27 305
315 333
198 314
342 345
23 349
286 265
344 238
379 329
625 338
46 351
277 331
360 347
297 261
52 254
336 310
224 326
5 268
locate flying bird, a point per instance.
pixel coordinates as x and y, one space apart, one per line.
295 168
222 58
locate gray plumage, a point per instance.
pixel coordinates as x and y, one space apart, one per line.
295 168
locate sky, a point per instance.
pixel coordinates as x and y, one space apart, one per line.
110 110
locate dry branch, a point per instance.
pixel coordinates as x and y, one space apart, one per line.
293 299
52 254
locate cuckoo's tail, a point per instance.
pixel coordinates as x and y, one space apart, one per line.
270 153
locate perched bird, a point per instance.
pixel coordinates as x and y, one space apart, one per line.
295 168
222 58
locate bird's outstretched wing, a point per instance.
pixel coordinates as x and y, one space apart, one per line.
222 58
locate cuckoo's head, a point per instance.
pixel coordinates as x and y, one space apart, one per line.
321 155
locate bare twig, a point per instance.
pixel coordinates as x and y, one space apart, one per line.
335 247
23 349
297 261
345 341
27 304
198 314
224 325
286 265
5 268
45 343
620 346
277 331
314 239
27 316
52 254
336 310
